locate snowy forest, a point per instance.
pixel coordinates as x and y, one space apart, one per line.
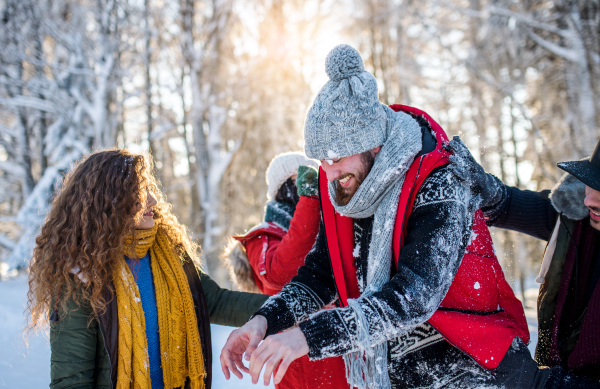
213 89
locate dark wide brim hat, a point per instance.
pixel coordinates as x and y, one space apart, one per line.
587 170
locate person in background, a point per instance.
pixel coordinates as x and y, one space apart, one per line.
568 218
118 278
269 255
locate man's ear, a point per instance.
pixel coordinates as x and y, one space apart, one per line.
376 150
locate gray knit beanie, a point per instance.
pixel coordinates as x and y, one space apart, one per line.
346 117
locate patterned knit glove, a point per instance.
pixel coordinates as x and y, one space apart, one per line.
307 181
491 190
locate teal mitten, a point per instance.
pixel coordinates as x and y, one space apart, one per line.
307 181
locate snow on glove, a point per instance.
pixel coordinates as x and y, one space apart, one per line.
489 188
307 181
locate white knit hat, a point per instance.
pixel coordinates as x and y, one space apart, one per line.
282 167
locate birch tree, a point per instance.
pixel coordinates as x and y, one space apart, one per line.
202 48
59 96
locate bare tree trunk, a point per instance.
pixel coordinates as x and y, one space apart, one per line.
520 253
43 124
476 93
404 97
24 149
148 85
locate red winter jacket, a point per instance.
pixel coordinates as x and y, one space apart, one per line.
275 256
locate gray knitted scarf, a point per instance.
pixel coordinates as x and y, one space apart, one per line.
378 195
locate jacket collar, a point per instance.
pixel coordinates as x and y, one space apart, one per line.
567 197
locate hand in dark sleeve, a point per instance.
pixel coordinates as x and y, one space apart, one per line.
312 289
227 307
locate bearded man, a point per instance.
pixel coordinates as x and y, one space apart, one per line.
402 250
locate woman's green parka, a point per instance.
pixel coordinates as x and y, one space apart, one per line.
84 353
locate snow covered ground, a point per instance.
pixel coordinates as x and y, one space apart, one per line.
29 367
23 367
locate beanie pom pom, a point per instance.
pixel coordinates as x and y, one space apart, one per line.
342 62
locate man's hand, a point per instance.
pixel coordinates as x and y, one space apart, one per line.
277 352
244 339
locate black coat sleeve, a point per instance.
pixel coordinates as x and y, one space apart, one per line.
312 289
524 211
438 231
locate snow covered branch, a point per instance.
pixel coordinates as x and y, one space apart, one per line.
7 242
29 102
569 55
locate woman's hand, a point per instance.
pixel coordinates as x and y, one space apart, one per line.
277 352
243 340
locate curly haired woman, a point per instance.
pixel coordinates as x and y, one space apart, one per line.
114 272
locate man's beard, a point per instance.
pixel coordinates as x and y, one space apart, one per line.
344 195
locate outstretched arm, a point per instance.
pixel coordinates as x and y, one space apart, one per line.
524 211
228 307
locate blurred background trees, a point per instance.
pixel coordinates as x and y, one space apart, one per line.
213 89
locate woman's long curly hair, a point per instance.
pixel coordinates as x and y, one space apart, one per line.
98 205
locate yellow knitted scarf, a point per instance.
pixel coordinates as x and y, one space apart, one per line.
181 354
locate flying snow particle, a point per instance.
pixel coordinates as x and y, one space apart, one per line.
356 251
477 286
472 237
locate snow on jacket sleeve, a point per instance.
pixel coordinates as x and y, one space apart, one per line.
524 211
284 257
308 292
438 232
